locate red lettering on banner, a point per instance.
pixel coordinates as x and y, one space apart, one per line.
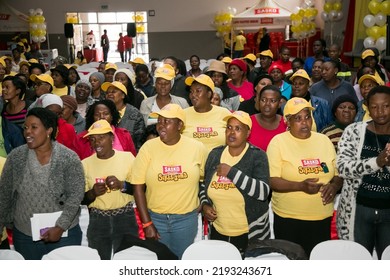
311 162
172 169
267 21
267 10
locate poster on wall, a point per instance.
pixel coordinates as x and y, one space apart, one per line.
11 20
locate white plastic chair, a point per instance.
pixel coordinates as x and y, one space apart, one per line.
340 250
386 253
72 253
211 250
7 254
135 253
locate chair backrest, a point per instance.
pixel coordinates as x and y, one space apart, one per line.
340 250
386 253
211 250
135 253
7 254
72 253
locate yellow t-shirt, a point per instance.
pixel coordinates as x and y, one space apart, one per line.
120 166
60 91
171 174
228 200
366 116
240 43
296 159
208 128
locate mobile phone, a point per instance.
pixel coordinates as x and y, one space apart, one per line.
43 231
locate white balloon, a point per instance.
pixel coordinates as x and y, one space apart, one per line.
339 16
380 44
369 42
42 39
39 12
35 39
234 11
42 26
31 12
380 19
218 34
325 16
333 15
34 26
369 21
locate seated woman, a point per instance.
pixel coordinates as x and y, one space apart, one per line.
170 167
164 77
97 79
366 83
304 179
239 82
40 189
107 175
70 115
60 75
104 110
80 59
144 80
83 97
235 190
195 70
276 72
268 122
127 78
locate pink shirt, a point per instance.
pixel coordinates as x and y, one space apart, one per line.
245 90
260 137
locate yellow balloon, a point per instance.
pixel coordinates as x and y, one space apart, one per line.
375 32
374 7
337 6
383 31
301 12
292 17
385 7
327 7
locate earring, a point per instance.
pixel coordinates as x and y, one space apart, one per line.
48 136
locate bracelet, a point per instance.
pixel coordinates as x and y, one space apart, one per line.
147 224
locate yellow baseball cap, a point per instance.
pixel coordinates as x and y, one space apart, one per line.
5 57
202 79
166 72
24 62
300 73
99 127
2 62
241 116
266 53
137 60
116 84
374 78
70 66
251 57
295 105
111 66
170 111
368 53
33 60
46 78
226 59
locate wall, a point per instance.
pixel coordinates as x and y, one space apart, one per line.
179 27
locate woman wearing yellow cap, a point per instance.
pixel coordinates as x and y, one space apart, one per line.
170 167
204 120
370 58
304 179
235 190
366 83
107 175
130 118
164 78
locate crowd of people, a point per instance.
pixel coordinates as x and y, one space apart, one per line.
154 152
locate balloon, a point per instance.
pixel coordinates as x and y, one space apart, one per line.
325 16
369 21
34 26
218 35
234 11
39 12
35 39
42 26
337 6
383 30
380 44
369 42
333 15
375 32
385 7
31 12
327 7
374 7
339 16
380 19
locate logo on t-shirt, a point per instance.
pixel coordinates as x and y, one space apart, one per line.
222 183
172 173
310 166
204 132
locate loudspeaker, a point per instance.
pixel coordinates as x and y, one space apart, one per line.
68 30
131 30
